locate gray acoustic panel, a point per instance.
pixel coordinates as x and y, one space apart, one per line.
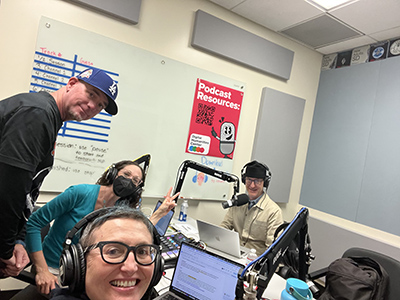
323 30
128 10
339 139
277 135
379 203
352 168
216 36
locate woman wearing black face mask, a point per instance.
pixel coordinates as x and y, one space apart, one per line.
121 183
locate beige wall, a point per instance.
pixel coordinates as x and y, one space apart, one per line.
165 28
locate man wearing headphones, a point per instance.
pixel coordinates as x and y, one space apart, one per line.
256 222
118 256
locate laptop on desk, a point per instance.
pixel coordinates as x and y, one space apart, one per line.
221 239
202 275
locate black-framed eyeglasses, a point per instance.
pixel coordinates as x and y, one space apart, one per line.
257 181
117 252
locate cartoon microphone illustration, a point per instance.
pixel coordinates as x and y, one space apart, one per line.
226 139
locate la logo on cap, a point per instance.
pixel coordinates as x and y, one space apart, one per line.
86 74
113 88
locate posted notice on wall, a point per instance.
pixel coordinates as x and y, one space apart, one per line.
214 120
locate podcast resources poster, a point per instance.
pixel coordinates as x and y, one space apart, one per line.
214 120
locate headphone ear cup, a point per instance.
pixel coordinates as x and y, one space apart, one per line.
66 268
243 172
78 255
111 174
158 271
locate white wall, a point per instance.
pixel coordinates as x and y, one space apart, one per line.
165 28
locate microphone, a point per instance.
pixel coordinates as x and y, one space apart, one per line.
238 200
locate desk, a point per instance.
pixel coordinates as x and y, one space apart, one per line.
189 228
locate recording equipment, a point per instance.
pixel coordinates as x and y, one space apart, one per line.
73 262
237 200
206 170
266 173
259 272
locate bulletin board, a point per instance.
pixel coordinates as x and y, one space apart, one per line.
155 103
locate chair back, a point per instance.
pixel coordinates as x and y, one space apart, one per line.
391 266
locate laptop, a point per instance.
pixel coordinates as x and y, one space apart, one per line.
202 275
221 239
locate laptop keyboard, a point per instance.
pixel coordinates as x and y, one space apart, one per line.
169 297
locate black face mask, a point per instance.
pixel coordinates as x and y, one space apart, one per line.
124 187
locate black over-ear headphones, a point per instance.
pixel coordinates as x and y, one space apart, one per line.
111 174
267 177
73 263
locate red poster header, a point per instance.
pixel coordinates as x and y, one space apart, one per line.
214 121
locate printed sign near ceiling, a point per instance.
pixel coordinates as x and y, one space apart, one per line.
214 121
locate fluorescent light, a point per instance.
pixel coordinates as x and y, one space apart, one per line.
328 4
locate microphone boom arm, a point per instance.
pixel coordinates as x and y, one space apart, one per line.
265 265
207 170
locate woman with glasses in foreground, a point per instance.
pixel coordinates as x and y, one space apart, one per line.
120 258
121 183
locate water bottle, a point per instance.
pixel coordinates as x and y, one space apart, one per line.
183 212
252 255
296 289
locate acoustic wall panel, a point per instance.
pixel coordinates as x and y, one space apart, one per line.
352 168
216 36
276 140
128 10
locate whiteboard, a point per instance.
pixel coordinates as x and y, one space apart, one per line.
155 103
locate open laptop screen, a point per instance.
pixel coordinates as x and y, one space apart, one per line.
200 274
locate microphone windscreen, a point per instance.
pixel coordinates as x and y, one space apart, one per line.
242 199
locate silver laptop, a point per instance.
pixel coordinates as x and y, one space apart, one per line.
221 239
202 275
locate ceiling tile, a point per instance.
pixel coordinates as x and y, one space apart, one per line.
346 45
277 14
386 34
370 16
228 4
321 31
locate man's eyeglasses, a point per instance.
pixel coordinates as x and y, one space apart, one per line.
257 181
117 252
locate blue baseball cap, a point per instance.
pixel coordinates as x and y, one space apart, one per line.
101 80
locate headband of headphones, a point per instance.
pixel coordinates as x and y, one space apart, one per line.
257 170
73 262
82 224
112 171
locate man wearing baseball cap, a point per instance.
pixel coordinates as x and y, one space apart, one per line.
29 124
256 221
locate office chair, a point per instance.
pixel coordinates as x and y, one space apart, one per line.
391 266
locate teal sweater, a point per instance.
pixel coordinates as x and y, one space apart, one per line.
66 210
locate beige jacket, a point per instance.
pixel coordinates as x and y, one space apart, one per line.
256 227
